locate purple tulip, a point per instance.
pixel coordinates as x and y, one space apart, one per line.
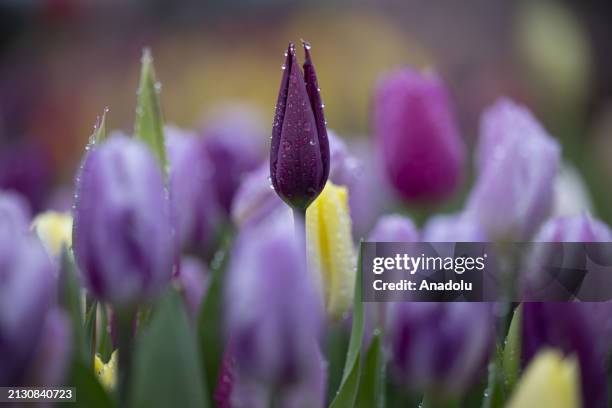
234 141
236 390
274 313
196 212
582 329
27 287
394 228
453 228
14 213
440 346
299 155
575 330
122 236
517 162
417 135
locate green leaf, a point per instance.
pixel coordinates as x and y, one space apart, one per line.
372 384
209 319
70 301
511 358
165 367
105 345
89 391
149 125
347 392
90 329
494 395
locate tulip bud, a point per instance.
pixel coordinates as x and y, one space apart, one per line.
440 346
394 228
273 313
517 162
54 230
195 209
26 294
331 254
122 240
299 155
417 135
549 381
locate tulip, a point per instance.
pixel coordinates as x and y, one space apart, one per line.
273 313
549 381
517 163
122 241
439 346
54 230
331 254
27 288
417 135
234 143
453 228
394 228
196 211
585 329
107 372
571 194
299 155
235 390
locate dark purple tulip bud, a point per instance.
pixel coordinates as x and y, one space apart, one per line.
122 236
27 286
394 228
418 136
517 162
234 141
195 209
440 346
274 312
574 329
299 155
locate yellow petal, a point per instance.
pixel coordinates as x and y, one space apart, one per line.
107 373
54 230
550 381
331 254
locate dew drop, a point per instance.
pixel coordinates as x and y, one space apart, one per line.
158 86
283 67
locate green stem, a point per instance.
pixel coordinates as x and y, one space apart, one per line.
299 222
125 321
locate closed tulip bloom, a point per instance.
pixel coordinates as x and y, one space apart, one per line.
273 313
121 236
299 155
550 381
197 214
417 135
26 294
394 228
517 162
331 254
439 346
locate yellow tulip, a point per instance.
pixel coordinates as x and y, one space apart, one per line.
550 381
107 373
54 230
331 254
